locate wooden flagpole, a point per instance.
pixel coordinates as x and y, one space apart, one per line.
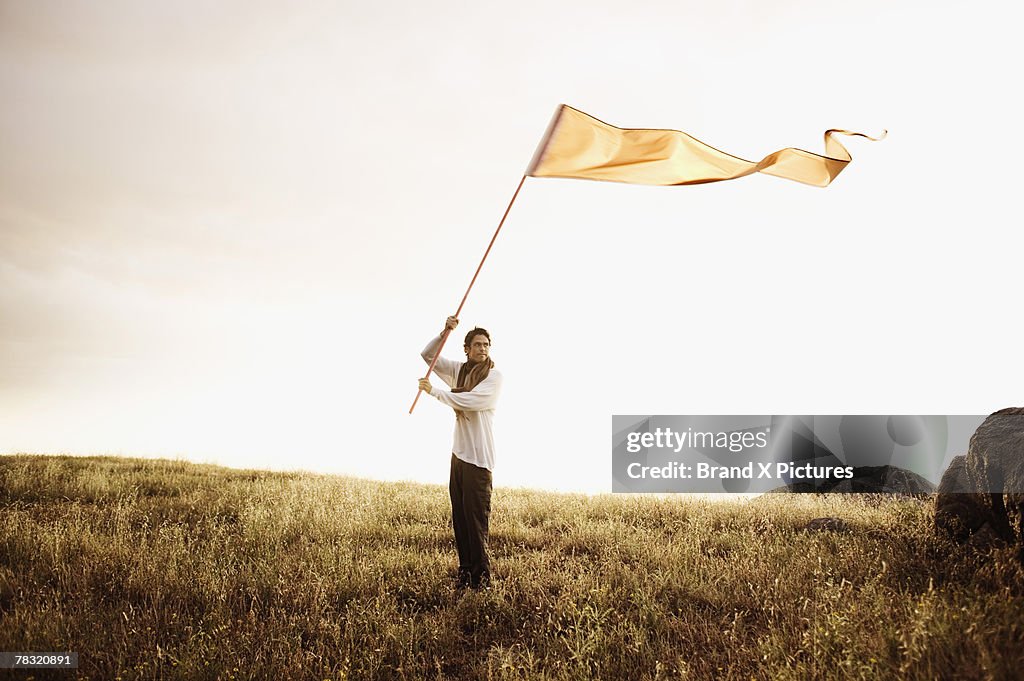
447 331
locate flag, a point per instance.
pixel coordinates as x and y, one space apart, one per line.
580 146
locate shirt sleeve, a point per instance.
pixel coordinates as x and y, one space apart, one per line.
481 398
447 370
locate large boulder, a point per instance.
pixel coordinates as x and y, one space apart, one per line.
959 511
983 492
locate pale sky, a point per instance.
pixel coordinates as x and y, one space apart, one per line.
227 229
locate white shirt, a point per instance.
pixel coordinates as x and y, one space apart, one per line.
474 437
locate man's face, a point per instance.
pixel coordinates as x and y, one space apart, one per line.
478 348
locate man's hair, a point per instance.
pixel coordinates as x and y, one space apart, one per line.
476 331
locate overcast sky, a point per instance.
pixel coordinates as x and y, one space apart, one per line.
227 229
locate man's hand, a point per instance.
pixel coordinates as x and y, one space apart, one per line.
425 384
451 323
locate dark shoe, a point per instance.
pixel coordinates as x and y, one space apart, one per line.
481 583
463 579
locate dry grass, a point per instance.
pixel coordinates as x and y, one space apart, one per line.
165 569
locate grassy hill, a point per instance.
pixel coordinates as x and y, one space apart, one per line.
165 569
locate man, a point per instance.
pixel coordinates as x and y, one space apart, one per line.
475 386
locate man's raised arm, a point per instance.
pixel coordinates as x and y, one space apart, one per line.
444 368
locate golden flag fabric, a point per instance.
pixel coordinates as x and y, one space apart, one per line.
580 146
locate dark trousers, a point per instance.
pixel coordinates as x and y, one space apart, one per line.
470 489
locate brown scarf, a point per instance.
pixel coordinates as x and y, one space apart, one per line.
471 374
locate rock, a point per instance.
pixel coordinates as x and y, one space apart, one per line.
959 512
986 538
984 490
995 461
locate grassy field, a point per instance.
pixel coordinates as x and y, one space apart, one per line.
165 569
